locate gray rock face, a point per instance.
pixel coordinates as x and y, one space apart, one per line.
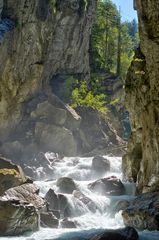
13 212
50 37
143 212
142 98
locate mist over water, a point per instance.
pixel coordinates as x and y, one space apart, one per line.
87 222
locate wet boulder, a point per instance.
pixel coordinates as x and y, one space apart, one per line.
64 206
66 185
108 186
26 193
11 175
47 219
127 233
143 212
86 200
100 165
65 223
52 199
57 204
17 217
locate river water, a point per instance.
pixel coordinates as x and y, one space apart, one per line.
88 223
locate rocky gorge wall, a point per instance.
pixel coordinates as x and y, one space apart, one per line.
49 37
141 163
41 40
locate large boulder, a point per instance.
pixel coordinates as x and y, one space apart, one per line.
26 193
57 204
100 164
143 212
17 217
107 186
66 185
52 200
127 233
55 138
11 175
64 206
49 114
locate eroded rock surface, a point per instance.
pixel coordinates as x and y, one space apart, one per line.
17 218
142 100
27 193
48 38
143 212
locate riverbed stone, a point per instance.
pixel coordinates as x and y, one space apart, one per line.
127 233
66 223
52 199
143 212
17 217
47 219
108 186
66 185
100 164
26 193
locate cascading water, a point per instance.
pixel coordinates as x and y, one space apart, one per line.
87 222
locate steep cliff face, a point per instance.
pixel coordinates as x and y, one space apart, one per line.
141 163
49 37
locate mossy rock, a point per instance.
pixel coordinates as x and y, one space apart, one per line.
11 175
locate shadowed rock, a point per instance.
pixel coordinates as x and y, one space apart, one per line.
127 233
66 185
107 186
48 220
17 217
143 212
65 223
100 164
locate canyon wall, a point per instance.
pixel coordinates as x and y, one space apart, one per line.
38 40
43 42
141 163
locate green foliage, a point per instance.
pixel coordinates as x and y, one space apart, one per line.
82 96
105 45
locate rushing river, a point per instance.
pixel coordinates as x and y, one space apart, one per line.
88 223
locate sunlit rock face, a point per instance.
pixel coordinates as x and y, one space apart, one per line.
49 37
141 163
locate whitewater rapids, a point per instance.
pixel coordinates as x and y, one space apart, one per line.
88 223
